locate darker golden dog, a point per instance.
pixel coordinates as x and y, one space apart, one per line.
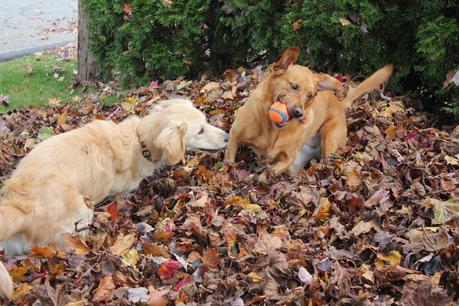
318 126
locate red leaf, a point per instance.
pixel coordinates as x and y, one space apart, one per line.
182 282
127 8
112 209
168 269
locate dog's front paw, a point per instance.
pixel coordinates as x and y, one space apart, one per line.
277 169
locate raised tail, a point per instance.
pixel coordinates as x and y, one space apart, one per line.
6 283
372 83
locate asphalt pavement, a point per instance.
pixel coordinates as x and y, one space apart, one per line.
28 26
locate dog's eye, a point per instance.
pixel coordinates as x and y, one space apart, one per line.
295 86
310 96
201 131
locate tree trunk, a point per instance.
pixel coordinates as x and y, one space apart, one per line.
87 68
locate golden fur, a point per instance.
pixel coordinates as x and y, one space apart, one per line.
320 124
53 187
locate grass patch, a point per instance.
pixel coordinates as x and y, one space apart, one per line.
34 80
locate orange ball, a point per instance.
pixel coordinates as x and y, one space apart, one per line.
278 113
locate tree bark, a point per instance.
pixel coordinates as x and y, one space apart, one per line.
87 68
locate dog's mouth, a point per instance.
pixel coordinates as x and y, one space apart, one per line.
280 125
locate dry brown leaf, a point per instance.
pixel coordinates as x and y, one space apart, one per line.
155 250
54 101
322 212
122 244
104 291
344 22
157 297
297 25
210 87
210 258
77 243
44 252
364 227
268 243
228 95
353 180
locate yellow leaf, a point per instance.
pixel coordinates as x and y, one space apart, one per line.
78 303
444 211
122 244
237 201
391 131
393 107
253 208
22 290
322 211
76 243
61 118
131 257
344 22
254 277
129 104
393 258
451 160
241 69
18 273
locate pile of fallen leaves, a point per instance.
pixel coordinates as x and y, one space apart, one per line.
375 224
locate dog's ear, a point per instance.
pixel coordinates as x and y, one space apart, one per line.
327 82
171 142
288 57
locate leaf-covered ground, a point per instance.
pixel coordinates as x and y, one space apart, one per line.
376 224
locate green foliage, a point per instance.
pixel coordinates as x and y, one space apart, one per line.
172 38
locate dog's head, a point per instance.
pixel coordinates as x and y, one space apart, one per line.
177 126
296 85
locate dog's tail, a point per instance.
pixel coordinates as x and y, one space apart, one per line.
372 83
6 283
12 221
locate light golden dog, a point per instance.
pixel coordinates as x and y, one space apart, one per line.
55 185
318 126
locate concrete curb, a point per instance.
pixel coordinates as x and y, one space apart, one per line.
20 53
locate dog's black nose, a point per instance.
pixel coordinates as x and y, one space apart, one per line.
297 112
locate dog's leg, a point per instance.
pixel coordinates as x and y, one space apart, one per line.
233 146
333 134
81 216
282 164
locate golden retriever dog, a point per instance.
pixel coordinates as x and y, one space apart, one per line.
55 185
318 125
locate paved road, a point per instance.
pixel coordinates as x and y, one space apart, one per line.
27 26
